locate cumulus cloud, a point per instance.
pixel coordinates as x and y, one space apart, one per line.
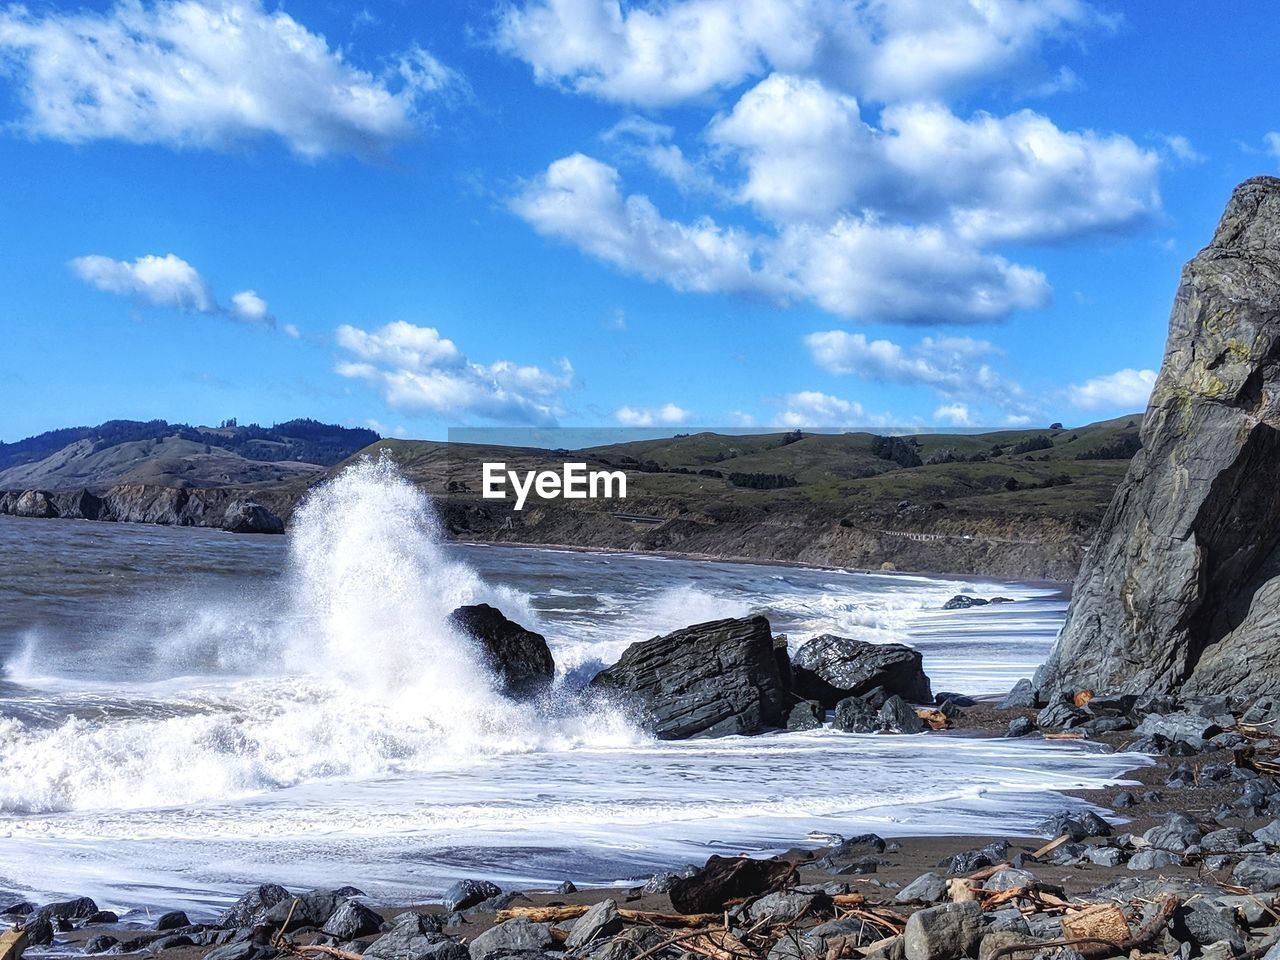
666 415
208 74
878 200
810 408
1272 141
954 415
1126 389
857 267
417 370
172 282
670 51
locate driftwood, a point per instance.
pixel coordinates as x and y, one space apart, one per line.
319 950
1091 947
12 943
574 911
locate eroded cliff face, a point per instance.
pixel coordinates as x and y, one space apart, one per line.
1181 587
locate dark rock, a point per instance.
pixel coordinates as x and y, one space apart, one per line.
1200 570
1062 823
171 941
249 516
415 936
1202 923
995 852
467 893
945 932
1177 833
76 909
829 668
352 920
926 888
855 715
514 936
1105 856
1094 825
724 879
1153 860
519 657
709 680
897 716
171 920
1124 800
1061 716
312 909
102 916
252 907
39 928
1183 776
660 883
1230 840
19 909
566 887
963 602
1021 727
1258 872
806 715
601 921
863 841
245 950
956 699
1021 697
1178 726
100 944
1270 834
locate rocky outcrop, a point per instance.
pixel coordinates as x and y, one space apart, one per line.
709 680
520 658
830 668
221 508
1181 588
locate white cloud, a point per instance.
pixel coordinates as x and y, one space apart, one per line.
1272 140
1180 148
667 415
857 267
416 369
291 331
954 366
954 415
172 282
669 51
207 74
1127 390
167 281
810 408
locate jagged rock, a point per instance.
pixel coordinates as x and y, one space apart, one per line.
352 919
806 715
781 907
1105 856
1153 860
249 516
944 932
601 921
75 909
1022 696
514 936
171 920
926 888
709 680
1061 716
100 944
962 601
311 909
855 715
252 907
1204 923
1020 727
520 657
415 936
1176 834
567 887
1270 834
1258 871
897 716
35 503
724 879
1181 589
829 668
467 893
994 852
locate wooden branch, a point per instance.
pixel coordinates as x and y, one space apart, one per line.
574 911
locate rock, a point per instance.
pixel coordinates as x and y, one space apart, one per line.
245 950
1176 834
39 930
252 907
1021 697
1200 604
351 921
169 942
897 716
76 909
926 888
1258 871
1230 840
566 887
710 680
781 907
415 936
520 658
171 920
19 909
467 893
1153 860
855 715
1010 878
1263 713
514 936
963 602
1061 716
1105 856
102 916
35 503
724 879
660 883
863 841
249 516
1270 834
601 921
997 851
1177 726
311 909
829 668
1020 727
1124 800
1062 823
1094 825
100 944
806 715
945 932
997 939
1204 923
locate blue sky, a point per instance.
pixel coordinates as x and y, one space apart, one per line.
684 213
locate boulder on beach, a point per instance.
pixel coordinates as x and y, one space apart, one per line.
728 878
712 679
1181 587
829 668
520 657
249 516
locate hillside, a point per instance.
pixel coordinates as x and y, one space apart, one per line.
175 454
1018 503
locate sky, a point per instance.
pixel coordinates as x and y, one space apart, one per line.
673 214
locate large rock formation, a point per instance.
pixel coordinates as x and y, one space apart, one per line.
1181 588
520 658
829 669
709 680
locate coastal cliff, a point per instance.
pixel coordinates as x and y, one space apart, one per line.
1181 588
